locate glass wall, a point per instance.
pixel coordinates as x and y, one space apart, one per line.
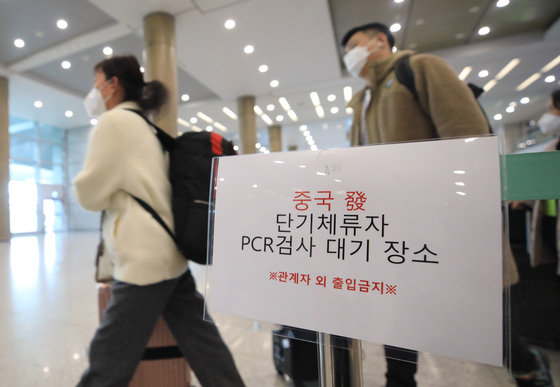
36 177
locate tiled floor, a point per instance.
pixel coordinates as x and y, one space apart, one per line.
48 313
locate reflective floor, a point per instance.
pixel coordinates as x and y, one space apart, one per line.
48 313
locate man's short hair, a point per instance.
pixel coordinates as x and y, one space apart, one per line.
379 27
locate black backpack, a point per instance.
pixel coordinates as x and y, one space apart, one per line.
190 169
405 75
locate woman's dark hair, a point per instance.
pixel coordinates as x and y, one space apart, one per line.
556 99
149 96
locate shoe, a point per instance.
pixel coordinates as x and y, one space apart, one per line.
539 377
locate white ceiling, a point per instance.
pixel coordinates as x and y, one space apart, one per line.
297 39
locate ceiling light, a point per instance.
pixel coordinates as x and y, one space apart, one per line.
303 128
229 24
19 43
528 81
490 85
292 115
266 119
465 73
347 93
193 120
93 121
510 109
181 121
257 110
498 117
398 1
248 49
270 107
220 126
320 111
204 117
274 83
331 98
394 49
65 64
502 3
284 102
227 111
142 69
107 51
484 31
550 79
334 110
314 98
525 100
483 73
209 128
62 24
550 65
38 104
185 97
69 113
279 118
196 128
349 110
263 68
395 27
507 68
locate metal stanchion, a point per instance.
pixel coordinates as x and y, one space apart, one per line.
325 361
327 366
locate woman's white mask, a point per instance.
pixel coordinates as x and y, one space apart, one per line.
356 58
94 102
549 124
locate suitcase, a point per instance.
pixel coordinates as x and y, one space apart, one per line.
162 364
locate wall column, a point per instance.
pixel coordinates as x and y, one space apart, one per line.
275 138
161 64
247 124
4 160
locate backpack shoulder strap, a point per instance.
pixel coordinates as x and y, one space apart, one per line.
155 215
405 75
167 141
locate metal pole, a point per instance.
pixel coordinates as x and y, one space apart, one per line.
355 355
325 361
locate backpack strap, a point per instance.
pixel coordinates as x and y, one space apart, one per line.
167 141
405 75
155 215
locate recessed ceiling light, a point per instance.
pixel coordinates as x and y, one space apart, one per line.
209 128
502 3
69 113
19 43
498 117
484 31
228 112
66 64
185 97
142 69
525 100
107 51
62 24
395 27
193 120
550 79
349 110
279 118
465 73
38 104
331 98
274 83
483 73
398 1
510 109
263 68
93 121
229 24
270 107
248 49
284 102
334 110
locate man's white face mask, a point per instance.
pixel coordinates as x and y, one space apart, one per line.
549 124
94 102
356 58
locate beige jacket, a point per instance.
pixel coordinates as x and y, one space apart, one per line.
446 106
124 157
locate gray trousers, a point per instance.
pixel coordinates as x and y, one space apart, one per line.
127 324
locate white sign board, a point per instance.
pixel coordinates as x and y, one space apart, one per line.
395 244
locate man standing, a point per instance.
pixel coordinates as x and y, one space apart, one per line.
387 111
